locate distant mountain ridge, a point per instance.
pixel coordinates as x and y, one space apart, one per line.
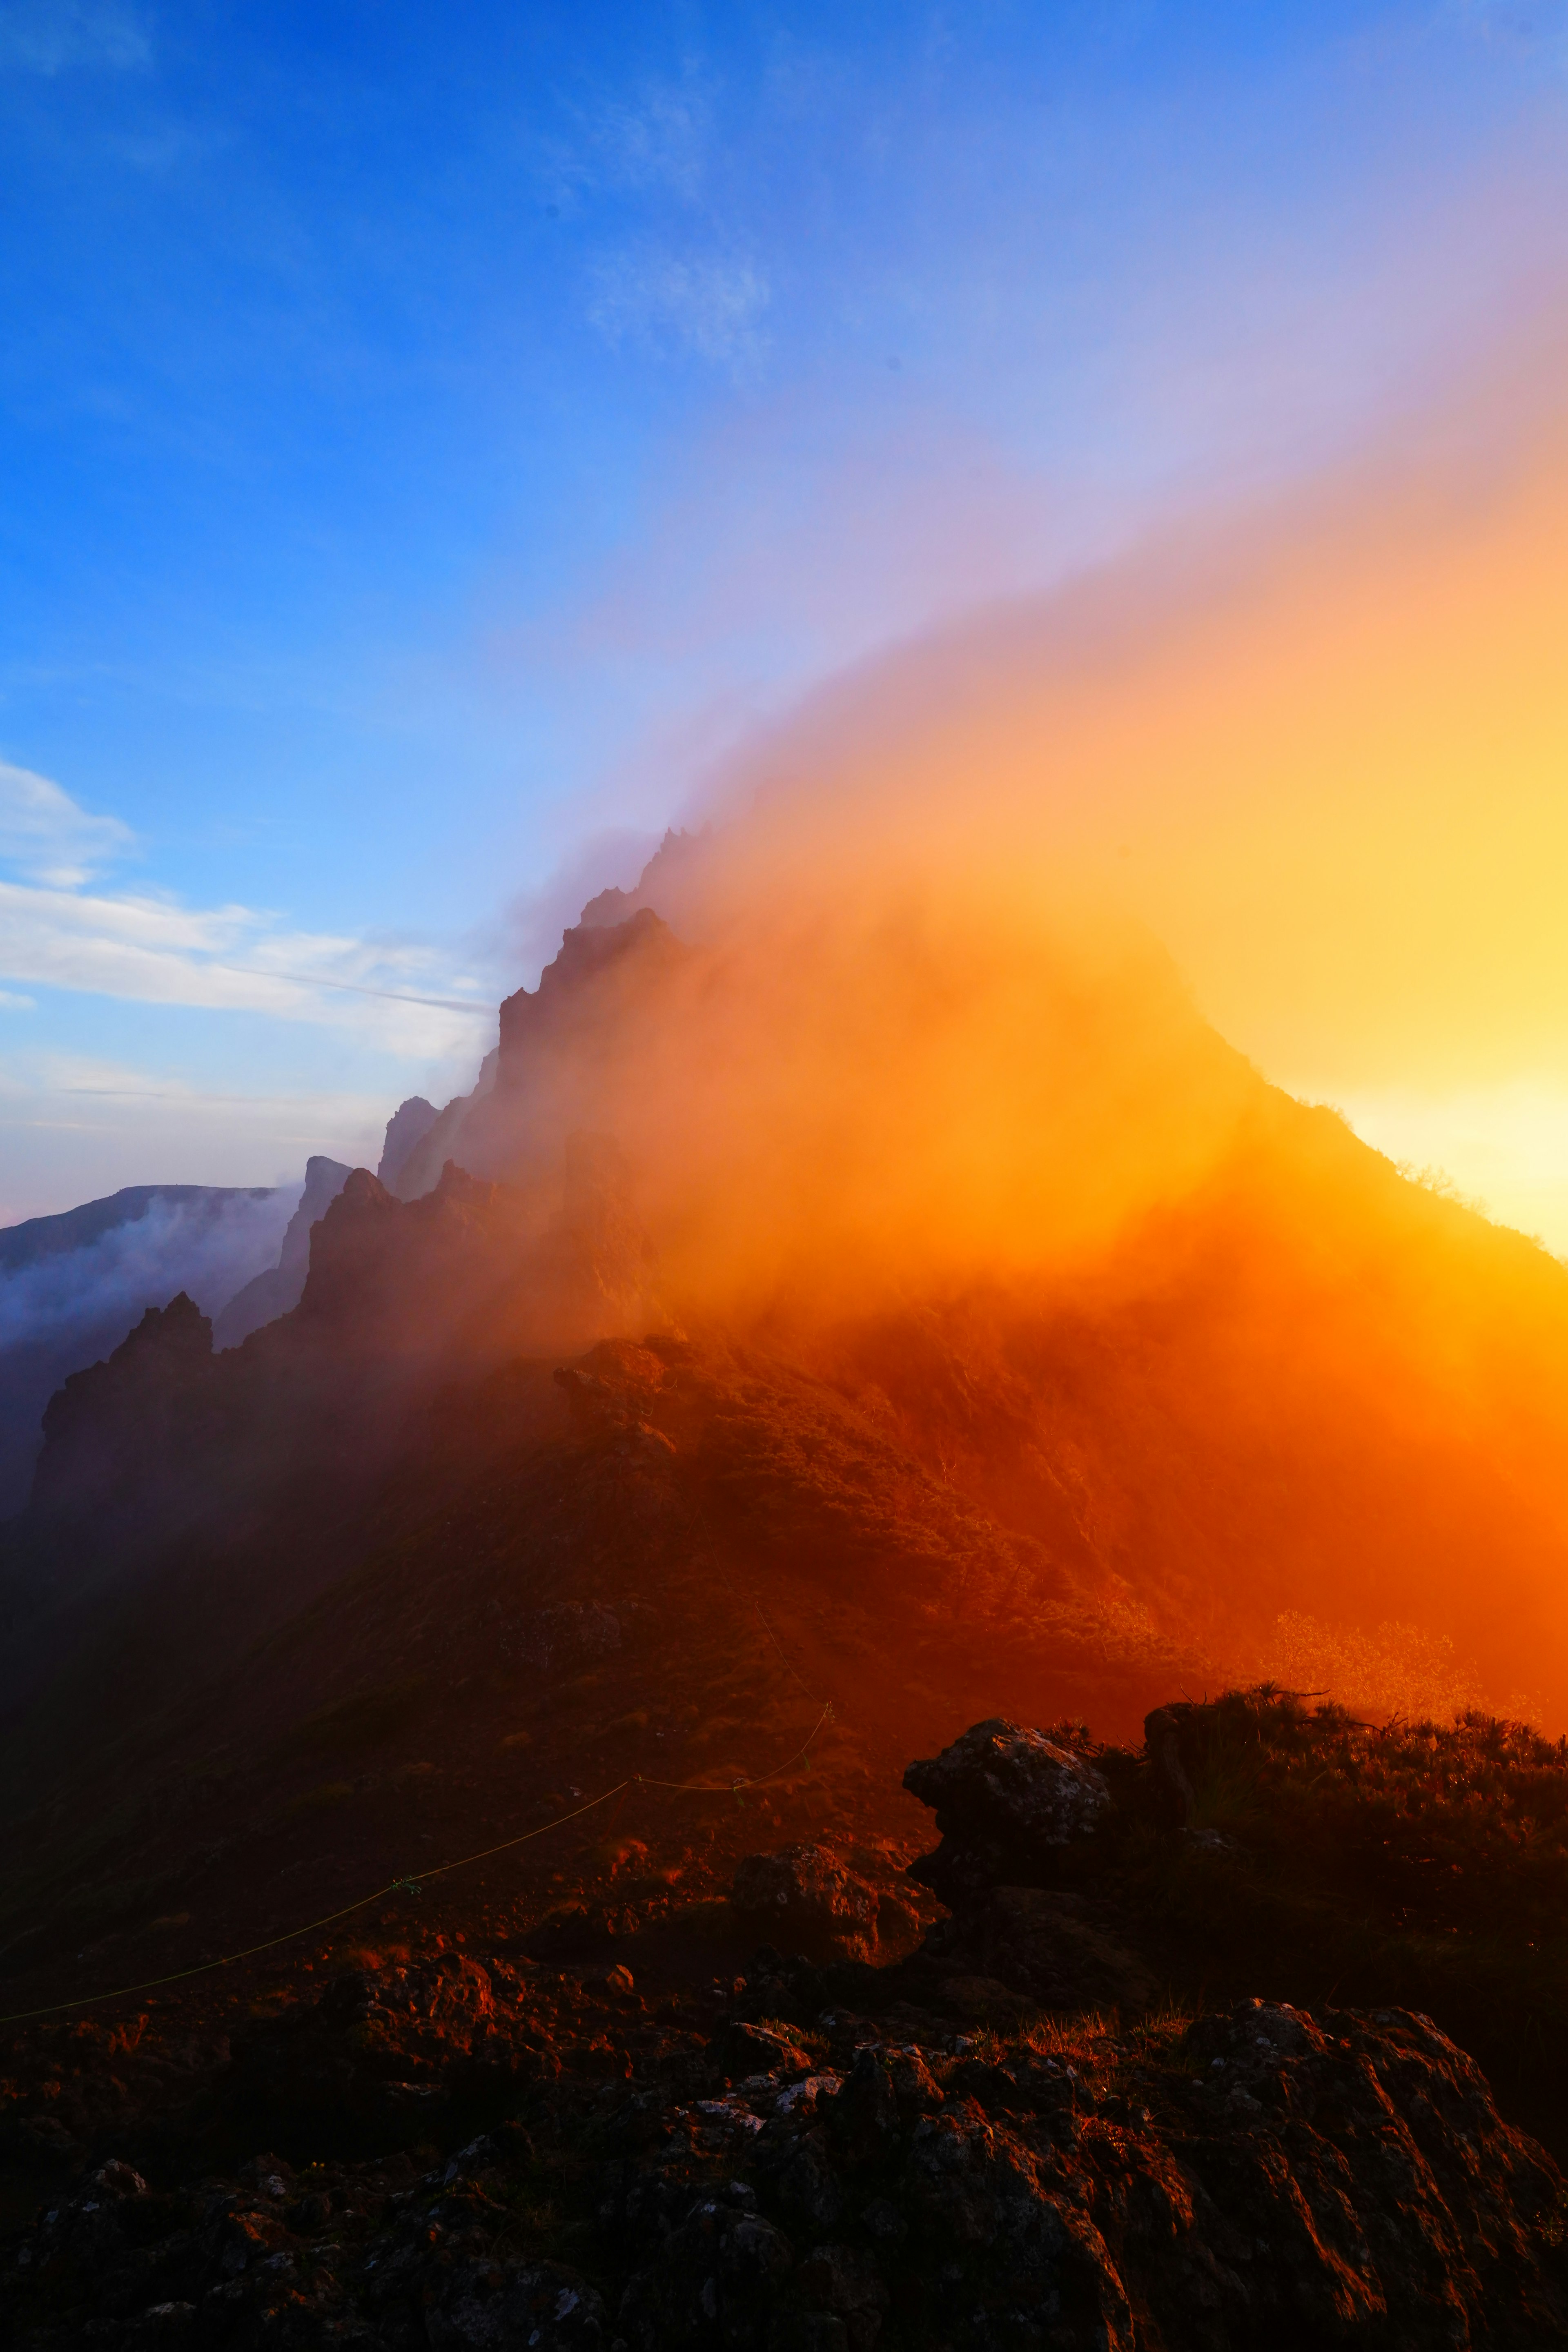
71 1283
72 1229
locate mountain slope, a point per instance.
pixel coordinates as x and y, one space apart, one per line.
513 1471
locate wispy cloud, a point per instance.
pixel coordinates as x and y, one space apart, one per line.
60 933
660 139
698 293
234 958
49 835
52 36
656 140
90 1078
706 303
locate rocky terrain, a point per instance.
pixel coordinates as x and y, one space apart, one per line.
471 1720
573 2137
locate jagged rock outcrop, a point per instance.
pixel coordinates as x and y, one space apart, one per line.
662 885
278 1290
559 1043
1017 1809
1008 1801
409 1125
107 1430
586 986
479 1267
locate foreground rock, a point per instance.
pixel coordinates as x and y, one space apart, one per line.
806 1900
1259 2178
976 2149
1020 1810
827 1905
1007 1801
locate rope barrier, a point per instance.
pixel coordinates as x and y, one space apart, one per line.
411 1881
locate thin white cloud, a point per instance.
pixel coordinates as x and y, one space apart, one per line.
710 304
51 36
231 959
49 835
57 933
87 1077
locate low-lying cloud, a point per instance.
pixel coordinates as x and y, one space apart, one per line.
62 1310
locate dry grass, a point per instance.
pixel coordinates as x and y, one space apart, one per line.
1393 1670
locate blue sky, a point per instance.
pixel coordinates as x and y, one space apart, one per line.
430 438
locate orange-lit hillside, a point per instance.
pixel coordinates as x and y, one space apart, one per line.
1223 1362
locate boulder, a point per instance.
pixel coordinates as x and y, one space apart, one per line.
1008 1802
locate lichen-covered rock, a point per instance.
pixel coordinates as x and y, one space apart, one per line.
1007 1801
